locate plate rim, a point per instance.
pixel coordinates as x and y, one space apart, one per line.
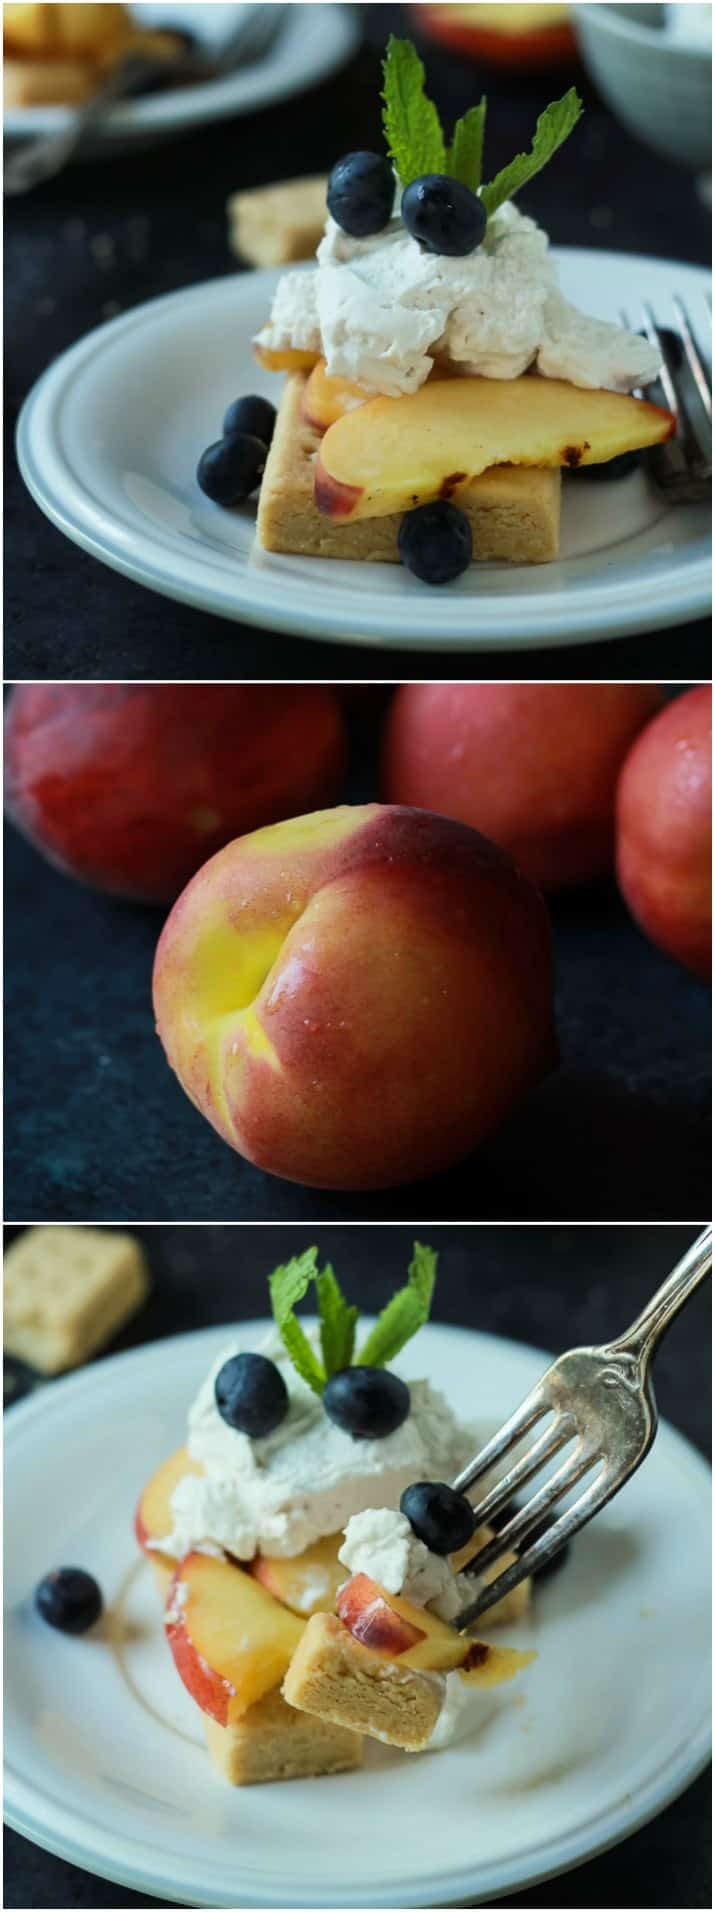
559 1854
161 115
509 622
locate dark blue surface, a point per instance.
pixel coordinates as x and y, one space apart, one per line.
98 1129
550 1287
104 238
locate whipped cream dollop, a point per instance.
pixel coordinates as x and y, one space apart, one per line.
381 1543
308 1478
382 310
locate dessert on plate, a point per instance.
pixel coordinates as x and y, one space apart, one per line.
309 1551
438 380
56 54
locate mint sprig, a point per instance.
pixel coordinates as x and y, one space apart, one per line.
417 145
288 1286
464 156
552 128
405 1313
337 1322
411 121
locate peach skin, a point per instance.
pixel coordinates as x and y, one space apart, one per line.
355 998
130 787
534 766
664 830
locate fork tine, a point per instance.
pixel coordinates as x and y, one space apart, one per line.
560 1482
651 331
698 369
532 1409
547 1444
534 1558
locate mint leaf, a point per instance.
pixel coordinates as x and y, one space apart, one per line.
464 156
405 1313
410 120
552 128
287 1286
337 1322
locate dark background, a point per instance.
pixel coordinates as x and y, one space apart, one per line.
105 237
97 1128
551 1287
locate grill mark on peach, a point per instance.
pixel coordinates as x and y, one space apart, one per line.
450 483
477 1656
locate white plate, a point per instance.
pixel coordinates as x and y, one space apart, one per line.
315 41
105 1761
109 440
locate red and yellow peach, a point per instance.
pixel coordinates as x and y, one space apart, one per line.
664 829
130 787
534 766
356 997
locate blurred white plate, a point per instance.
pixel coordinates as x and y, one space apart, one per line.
110 436
105 1762
314 42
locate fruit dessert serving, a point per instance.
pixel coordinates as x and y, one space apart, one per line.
309 1551
58 55
438 381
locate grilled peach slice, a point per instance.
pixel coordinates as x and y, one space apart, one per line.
289 359
388 1624
153 1516
393 453
231 1641
309 1582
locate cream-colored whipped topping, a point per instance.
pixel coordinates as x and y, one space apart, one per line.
381 310
279 1494
380 1542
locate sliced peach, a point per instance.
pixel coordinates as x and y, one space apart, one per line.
231 1641
392 453
289 359
368 1615
308 1583
438 1650
153 1516
326 399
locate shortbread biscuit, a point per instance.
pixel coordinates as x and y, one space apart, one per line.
276 225
335 1678
273 1741
67 1291
514 512
47 82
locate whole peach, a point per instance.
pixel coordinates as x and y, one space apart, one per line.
532 765
664 829
131 786
355 998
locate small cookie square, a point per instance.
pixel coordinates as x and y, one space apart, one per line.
278 225
67 1291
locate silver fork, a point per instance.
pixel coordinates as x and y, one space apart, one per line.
602 1399
681 469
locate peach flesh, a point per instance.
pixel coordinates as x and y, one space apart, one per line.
354 998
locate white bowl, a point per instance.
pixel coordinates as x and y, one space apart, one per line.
660 87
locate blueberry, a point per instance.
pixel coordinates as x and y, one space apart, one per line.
443 215
251 1394
254 415
620 467
442 1519
231 469
435 541
366 1402
361 193
69 1599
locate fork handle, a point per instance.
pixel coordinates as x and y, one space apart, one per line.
642 1337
